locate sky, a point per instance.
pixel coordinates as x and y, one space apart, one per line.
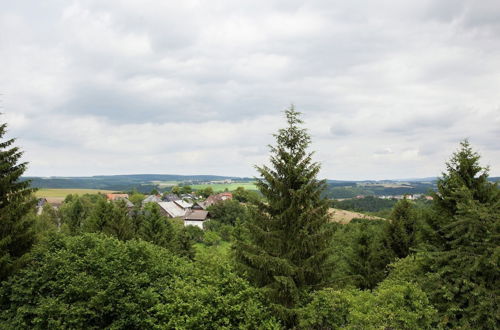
387 89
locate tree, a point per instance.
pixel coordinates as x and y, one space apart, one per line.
461 266
16 201
228 212
186 190
245 196
111 218
369 259
74 213
155 228
400 231
175 190
288 239
391 306
465 180
92 281
206 192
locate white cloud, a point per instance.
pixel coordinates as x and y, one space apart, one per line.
387 89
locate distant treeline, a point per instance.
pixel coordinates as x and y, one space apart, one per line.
367 204
141 182
335 191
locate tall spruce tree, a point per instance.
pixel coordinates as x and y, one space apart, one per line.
16 201
463 238
288 239
400 232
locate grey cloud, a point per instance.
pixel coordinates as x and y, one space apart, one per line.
371 75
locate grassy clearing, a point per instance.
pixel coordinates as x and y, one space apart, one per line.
228 186
65 192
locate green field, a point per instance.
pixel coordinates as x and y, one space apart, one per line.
64 192
224 186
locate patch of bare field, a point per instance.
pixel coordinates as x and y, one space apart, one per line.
343 216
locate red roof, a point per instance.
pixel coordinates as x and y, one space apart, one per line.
113 197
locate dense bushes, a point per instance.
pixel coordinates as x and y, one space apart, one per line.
390 306
93 281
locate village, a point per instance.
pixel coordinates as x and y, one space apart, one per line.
190 208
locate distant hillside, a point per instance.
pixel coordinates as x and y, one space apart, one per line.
147 182
141 182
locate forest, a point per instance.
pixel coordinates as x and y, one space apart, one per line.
272 260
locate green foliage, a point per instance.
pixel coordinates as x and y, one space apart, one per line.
367 204
465 180
228 212
74 212
461 270
205 192
96 282
111 218
136 198
246 196
368 260
401 231
156 228
328 309
287 249
16 201
390 306
211 238
47 222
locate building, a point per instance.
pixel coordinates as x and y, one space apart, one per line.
170 198
172 209
151 199
114 197
196 218
211 200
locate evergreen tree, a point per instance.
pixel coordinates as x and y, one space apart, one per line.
99 216
120 223
400 231
155 228
16 200
464 180
288 238
368 261
462 267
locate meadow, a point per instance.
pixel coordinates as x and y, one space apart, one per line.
223 186
47 192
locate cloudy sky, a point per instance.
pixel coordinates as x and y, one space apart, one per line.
387 88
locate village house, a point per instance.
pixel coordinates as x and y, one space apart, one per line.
172 209
151 199
196 218
211 200
120 197
113 197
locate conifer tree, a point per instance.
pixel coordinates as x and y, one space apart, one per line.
16 200
463 239
288 240
155 228
400 231
464 181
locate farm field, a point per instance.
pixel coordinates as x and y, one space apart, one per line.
224 186
343 216
65 192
